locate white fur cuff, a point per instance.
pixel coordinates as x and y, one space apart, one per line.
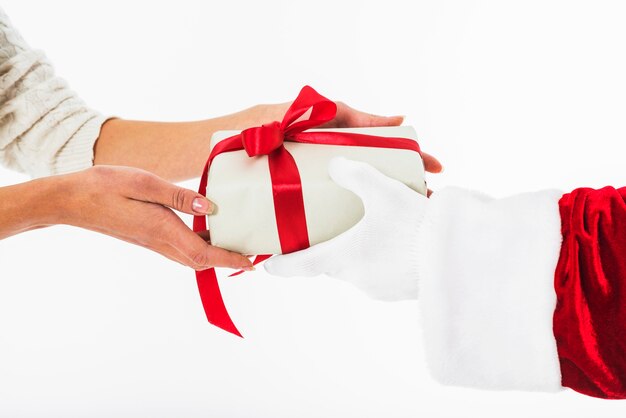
487 289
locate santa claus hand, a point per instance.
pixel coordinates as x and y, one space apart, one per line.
379 253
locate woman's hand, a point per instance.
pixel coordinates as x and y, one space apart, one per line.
135 206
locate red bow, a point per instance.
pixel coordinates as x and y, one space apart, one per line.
286 185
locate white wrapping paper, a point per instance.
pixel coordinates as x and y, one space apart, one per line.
240 187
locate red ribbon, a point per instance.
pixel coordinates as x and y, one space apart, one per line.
286 185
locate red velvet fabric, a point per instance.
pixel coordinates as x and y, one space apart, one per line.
590 282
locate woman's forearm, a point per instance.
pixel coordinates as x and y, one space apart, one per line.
29 205
172 150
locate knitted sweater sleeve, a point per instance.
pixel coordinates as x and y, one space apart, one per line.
45 128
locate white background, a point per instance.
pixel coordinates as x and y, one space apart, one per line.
511 96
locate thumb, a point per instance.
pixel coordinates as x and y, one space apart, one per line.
157 190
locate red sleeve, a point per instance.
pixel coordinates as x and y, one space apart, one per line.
589 321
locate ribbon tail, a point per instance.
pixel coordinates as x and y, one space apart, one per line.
213 303
208 286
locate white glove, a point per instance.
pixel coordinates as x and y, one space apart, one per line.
379 253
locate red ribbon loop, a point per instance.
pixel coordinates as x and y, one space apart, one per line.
286 185
322 111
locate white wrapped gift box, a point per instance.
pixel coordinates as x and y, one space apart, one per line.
241 188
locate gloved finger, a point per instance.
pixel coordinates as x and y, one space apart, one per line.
318 259
367 182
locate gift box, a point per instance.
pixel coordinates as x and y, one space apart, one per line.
241 188
272 190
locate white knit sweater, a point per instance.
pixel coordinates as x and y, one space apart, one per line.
45 128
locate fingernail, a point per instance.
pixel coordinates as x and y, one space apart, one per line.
395 120
202 205
248 268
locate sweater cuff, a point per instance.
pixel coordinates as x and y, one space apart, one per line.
78 152
487 289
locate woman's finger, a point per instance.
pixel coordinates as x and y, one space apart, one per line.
198 253
348 117
431 164
166 250
151 188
